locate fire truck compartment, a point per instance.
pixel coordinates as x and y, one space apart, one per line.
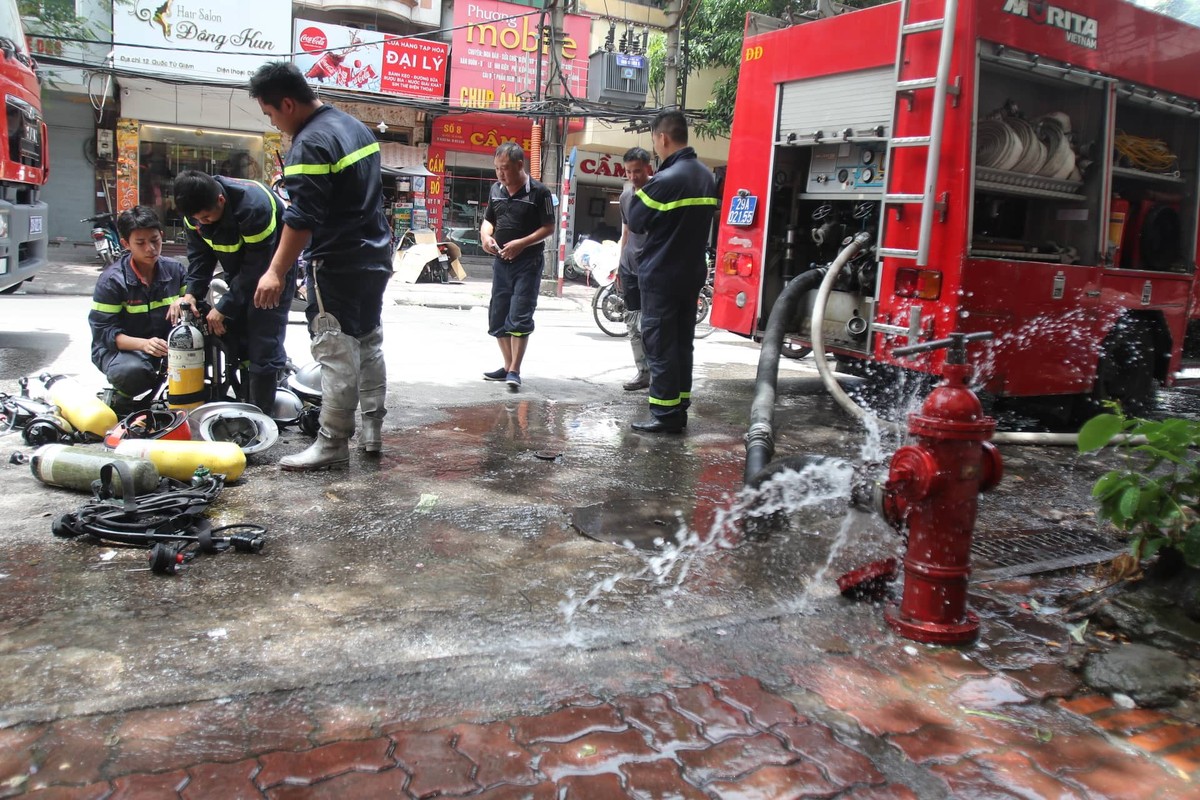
1052 199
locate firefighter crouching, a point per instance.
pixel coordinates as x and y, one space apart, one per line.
129 312
674 210
236 223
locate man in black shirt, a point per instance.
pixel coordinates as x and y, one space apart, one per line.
520 215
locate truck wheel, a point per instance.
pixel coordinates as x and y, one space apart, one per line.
1126 370
792 349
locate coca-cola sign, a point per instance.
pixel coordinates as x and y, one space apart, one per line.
313 40
369 61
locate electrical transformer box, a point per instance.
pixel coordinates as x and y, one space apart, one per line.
618 78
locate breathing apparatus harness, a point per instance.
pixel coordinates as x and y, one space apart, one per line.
170 521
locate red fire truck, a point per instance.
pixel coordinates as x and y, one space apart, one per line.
1028 168
24 157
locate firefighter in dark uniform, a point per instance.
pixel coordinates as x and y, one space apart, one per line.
236 223
129 311
674 210
335 187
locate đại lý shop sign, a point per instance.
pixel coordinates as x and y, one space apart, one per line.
222 41
366 61
496 50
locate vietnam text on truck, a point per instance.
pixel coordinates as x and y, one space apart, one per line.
24 158
1060 212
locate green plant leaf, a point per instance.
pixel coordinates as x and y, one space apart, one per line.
1152 546
1109 483
1129 501
1189 547
1098 431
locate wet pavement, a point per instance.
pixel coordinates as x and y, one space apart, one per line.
462 617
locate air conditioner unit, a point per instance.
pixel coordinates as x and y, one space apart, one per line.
618 78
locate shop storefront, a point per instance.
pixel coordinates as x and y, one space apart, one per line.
596 186
494 70
169 122
461 156
163 131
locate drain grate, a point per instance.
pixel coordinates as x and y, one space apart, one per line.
999 555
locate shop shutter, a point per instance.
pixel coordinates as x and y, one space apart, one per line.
858 100
71 191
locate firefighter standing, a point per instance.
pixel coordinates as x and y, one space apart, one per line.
674 210
236 223
333 180
638 170
129 311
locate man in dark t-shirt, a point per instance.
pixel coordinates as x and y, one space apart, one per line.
520 215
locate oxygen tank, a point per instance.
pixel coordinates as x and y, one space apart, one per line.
185 364
78 406
179 460
76 467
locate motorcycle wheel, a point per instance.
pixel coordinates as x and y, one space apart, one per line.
608 308
703 307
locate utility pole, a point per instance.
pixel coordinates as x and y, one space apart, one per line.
553 130
673 60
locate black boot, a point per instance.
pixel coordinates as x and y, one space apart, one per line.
262 391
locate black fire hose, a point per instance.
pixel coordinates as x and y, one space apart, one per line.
760 438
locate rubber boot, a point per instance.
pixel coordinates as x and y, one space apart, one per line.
262 391
372 390
337 354
633 320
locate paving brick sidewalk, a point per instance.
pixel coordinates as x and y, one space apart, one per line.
900 723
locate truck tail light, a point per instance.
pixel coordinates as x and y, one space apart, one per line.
924 284
740 264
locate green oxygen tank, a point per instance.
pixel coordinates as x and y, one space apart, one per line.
73 467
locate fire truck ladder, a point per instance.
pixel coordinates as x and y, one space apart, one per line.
905 91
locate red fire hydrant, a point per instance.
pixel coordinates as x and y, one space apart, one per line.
932 489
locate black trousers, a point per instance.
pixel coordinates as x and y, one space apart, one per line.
256 336
355 298
668 334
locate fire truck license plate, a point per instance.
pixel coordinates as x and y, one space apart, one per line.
741 210
35 225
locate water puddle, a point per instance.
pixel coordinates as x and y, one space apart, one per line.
803 501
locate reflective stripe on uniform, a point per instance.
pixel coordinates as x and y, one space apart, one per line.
654 401
325 169
254 238
683 202
138 308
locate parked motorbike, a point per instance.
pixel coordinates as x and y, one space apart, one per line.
608 303
105 238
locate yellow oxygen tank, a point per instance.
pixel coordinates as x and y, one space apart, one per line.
185 364
179 460
81 408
